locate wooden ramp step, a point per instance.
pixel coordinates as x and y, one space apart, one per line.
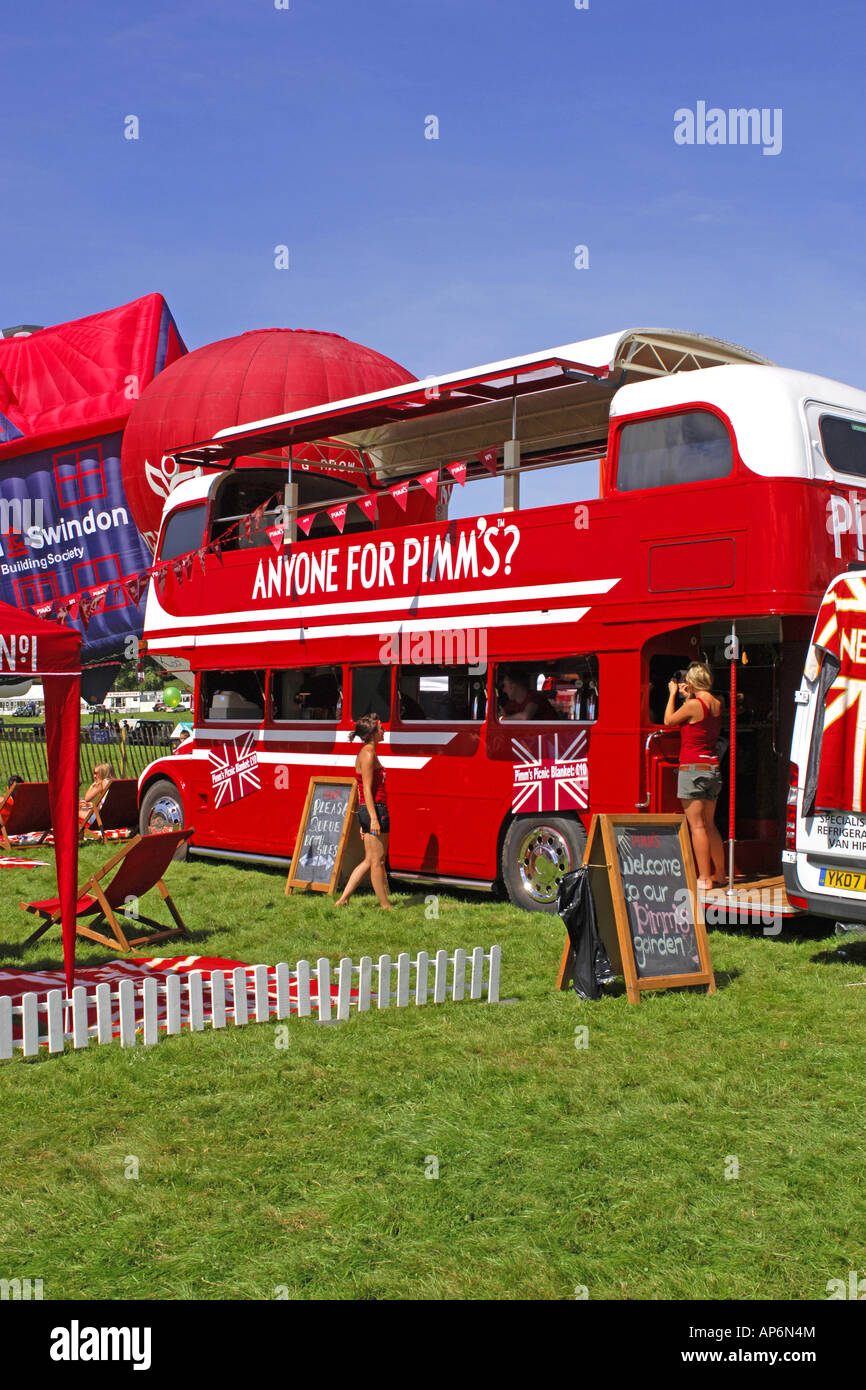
758 897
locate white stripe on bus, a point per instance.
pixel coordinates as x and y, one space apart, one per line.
301 611
387 629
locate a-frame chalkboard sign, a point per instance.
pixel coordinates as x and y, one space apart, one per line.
324 835
643 882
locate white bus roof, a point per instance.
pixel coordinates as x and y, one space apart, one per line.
563 396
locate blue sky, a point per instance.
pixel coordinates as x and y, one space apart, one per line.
305 126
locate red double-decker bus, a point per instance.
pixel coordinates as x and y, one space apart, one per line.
519 658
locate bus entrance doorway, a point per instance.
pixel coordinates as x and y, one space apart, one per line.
767 656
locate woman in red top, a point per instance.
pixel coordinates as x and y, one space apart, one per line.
372 813
699 720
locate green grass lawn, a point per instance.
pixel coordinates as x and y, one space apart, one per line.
263 1169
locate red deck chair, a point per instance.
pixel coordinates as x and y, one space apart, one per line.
119 808
139 867
31 812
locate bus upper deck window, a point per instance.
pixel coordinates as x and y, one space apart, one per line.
844 444
691 447
184 531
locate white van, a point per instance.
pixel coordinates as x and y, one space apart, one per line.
824 860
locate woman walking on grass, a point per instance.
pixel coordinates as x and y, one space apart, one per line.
372 813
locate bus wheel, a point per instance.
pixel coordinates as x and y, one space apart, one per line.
536 853
162 809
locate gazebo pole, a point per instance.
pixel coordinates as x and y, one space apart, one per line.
732 766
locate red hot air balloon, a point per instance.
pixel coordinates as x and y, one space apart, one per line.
265 372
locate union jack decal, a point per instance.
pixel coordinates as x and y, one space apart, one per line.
550 778
234 769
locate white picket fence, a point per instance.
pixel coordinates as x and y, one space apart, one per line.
134 1012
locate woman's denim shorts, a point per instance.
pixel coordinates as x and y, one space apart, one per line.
699 781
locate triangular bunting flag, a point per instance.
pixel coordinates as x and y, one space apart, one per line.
72 608
458 472
97 599
160 575
188 561
85 608
368 506
305 522
177 570
201 556
399 493
276 536
44 610
247 526
429 481
259 516
488 458
338 516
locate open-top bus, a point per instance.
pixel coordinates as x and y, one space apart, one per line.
714 507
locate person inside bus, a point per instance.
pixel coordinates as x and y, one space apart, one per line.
521 701
372 812
103 775
699 720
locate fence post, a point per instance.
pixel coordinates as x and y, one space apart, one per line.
103 1013
5 1028
440 978
150 1025
421 977
218 999
29 1025
458 983
282 976
403 964
260 994
344 987
239 996
54 1009
302 973
476 979
493 977
365 983
384 999
323 987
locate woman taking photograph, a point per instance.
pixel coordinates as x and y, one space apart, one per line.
372 813
699 720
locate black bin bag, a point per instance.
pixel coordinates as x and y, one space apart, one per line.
576 907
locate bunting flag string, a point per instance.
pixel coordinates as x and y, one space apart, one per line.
84 604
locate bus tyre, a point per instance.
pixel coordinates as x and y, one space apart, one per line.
536 853
162 809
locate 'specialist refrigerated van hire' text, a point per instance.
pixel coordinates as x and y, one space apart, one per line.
825 845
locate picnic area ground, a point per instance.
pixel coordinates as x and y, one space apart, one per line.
303 1169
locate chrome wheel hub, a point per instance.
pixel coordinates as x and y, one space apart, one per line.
165 814
542 860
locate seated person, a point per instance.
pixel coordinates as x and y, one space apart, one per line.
103 775
9 799
521 701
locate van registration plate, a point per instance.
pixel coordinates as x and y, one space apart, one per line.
849 879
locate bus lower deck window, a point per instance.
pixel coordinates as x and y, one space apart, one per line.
233 695
442 692
311 692
564 689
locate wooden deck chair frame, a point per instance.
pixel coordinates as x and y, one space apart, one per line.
92 827
92 888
